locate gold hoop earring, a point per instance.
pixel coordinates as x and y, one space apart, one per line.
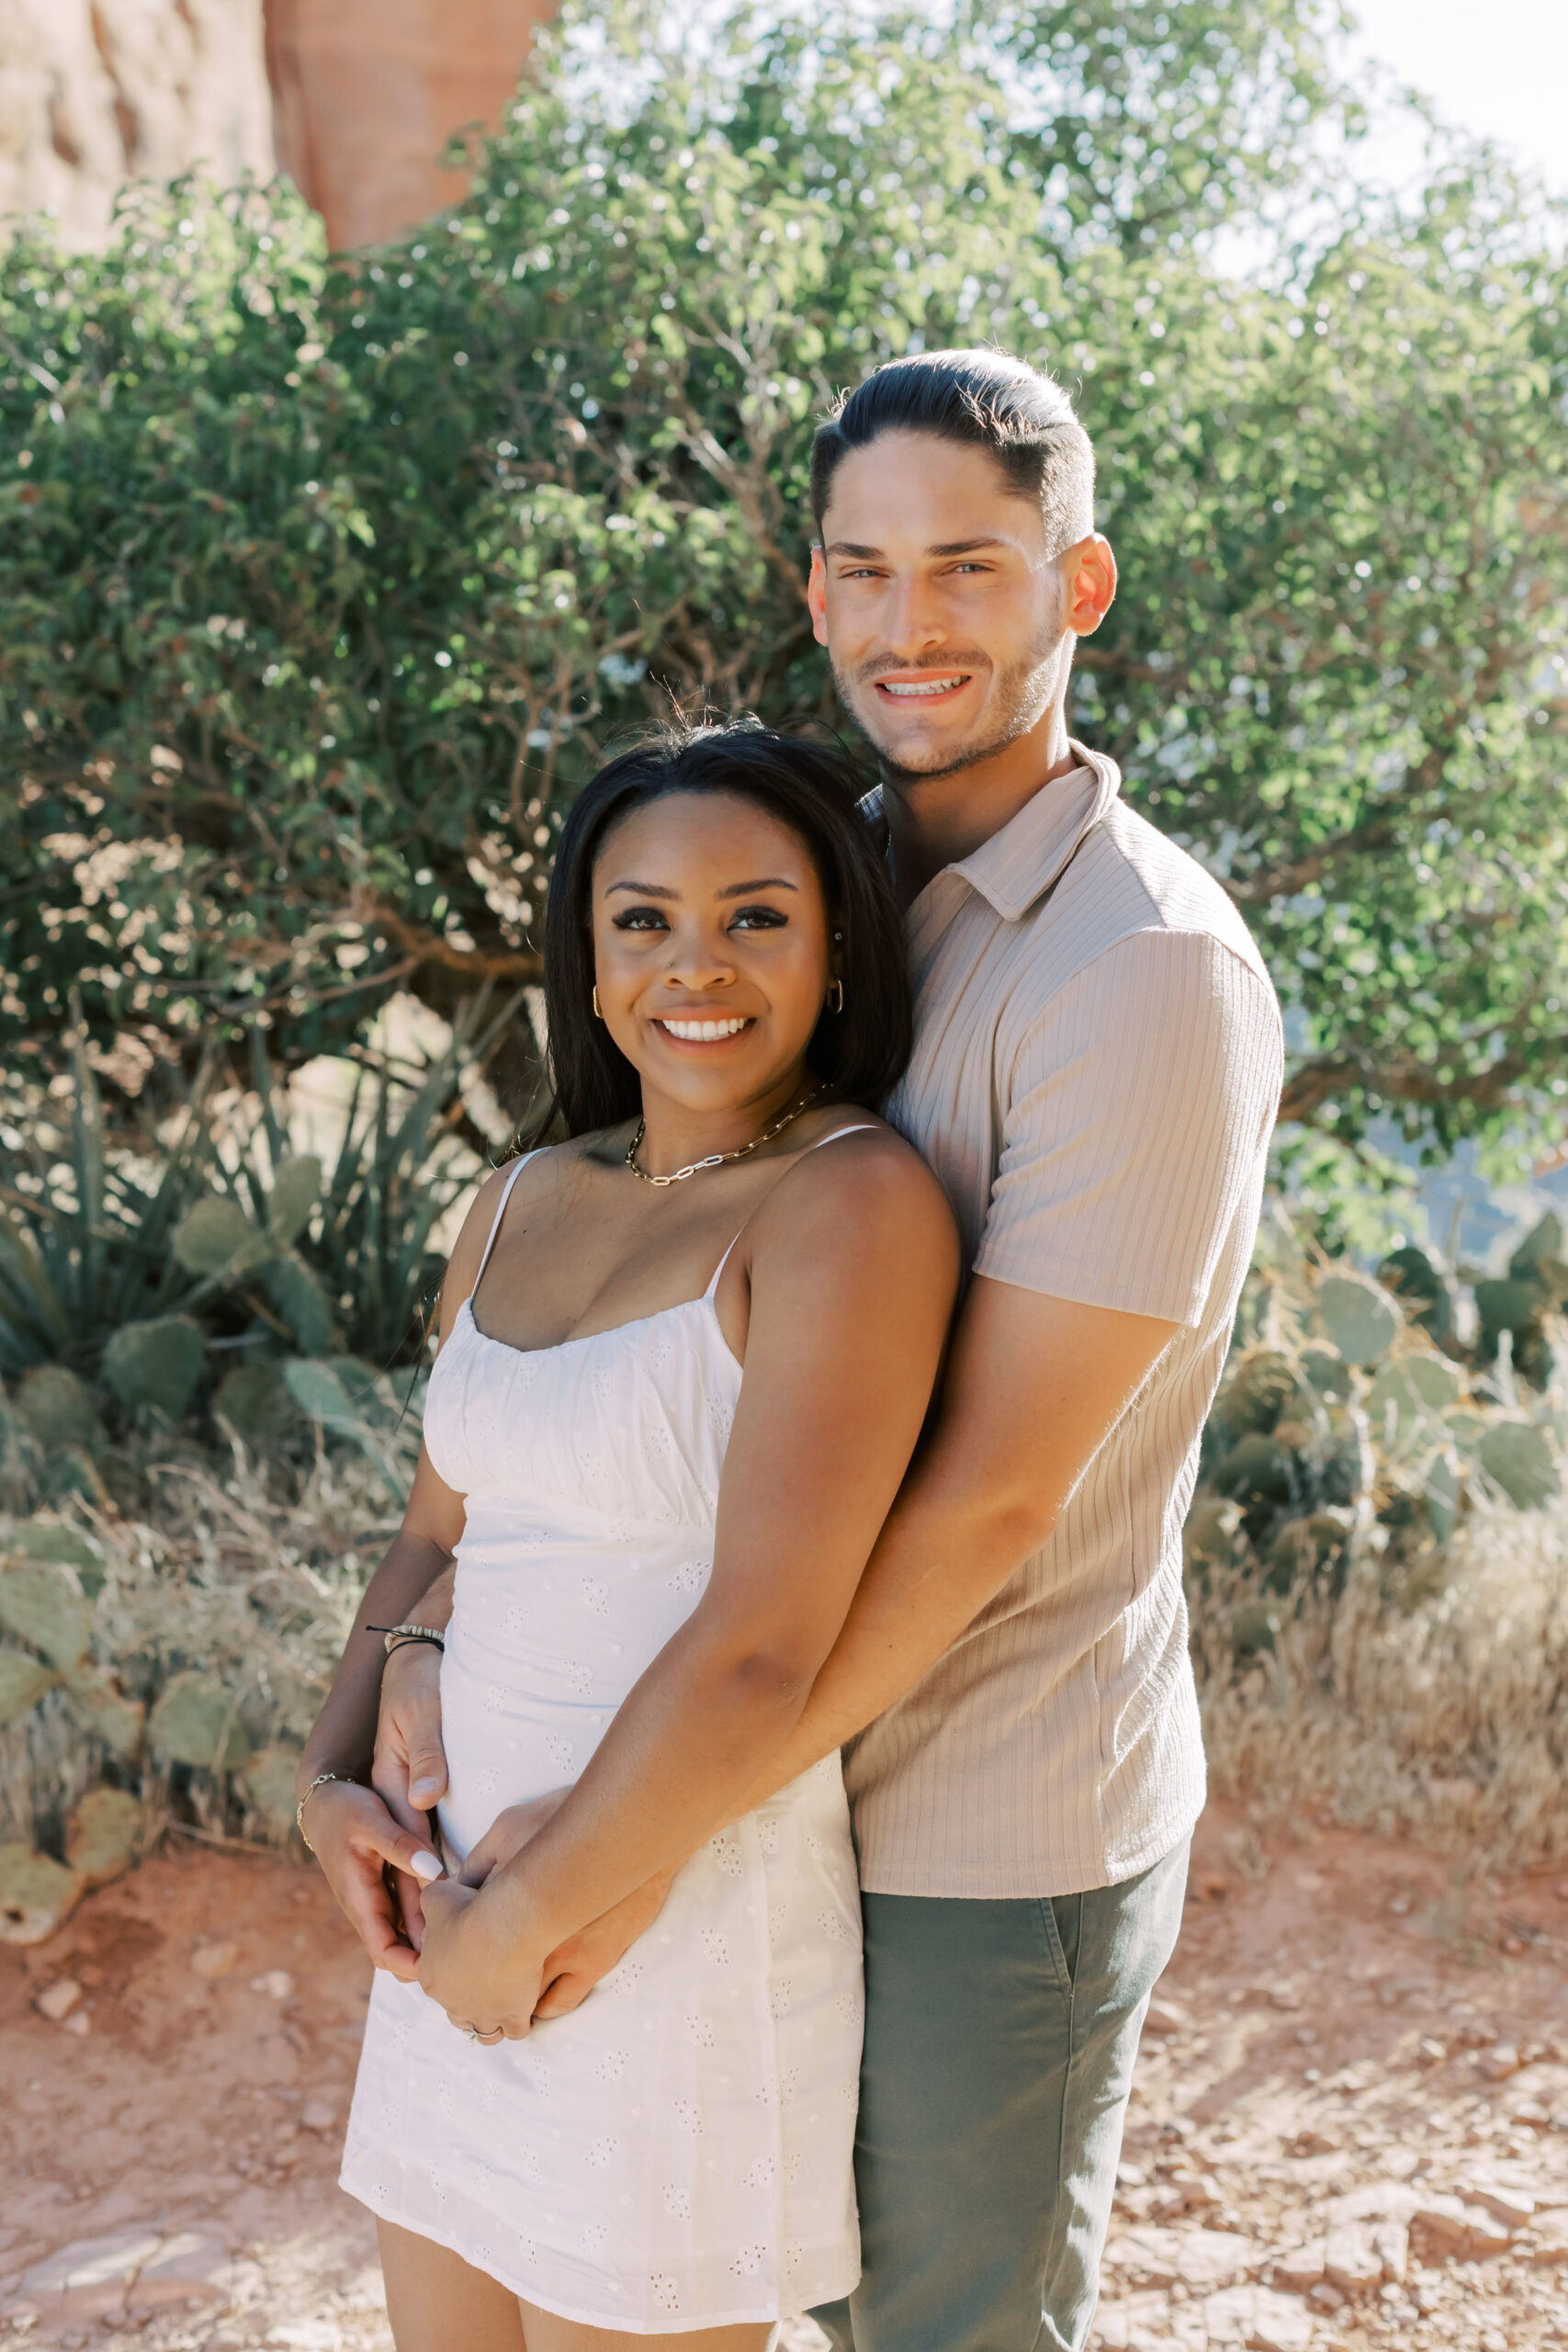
835 997
598 1016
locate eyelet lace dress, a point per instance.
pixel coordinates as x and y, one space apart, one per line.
677 2152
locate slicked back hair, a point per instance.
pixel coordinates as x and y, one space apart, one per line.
860 1052
988 401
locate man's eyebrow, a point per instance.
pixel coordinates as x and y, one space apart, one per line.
768 882
643 889
946 547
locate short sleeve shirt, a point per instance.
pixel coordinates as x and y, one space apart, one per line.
1097 1069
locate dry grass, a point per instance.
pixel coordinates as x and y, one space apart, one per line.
1447 1720
223 1576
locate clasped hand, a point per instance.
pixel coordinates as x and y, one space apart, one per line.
480 1958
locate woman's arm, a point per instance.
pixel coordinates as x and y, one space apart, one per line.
855 1268
353 1831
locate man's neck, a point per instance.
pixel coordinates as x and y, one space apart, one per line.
937 821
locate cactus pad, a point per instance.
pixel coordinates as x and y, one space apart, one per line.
1519 1457
157 1363
102 1836
35 1895
57 1408
196 1721
218 1238
266 1783
41 1601
295 1189
1359 1316
23 1681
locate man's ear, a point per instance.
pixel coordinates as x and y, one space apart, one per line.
816 596
1088 574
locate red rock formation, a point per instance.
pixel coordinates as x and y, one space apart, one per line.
366 93
94 93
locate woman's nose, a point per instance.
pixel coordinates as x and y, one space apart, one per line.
699 962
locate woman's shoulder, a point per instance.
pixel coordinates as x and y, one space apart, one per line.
860 1175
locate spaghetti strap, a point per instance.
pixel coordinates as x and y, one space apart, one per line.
864 1128
500 1212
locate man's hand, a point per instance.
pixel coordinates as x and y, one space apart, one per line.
475 1960
356 1838
507 1834
575 1967
409 1771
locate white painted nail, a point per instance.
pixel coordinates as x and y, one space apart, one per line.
426 1867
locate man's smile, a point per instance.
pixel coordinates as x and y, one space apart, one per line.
922 689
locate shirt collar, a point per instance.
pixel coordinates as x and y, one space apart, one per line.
1018 864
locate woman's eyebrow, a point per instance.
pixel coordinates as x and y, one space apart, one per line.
768 882
643 889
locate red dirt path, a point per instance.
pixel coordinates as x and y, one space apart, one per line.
1341 2012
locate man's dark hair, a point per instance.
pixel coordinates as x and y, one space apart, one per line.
860 1052
984 398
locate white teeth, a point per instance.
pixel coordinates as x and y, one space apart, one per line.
925 687
704 1029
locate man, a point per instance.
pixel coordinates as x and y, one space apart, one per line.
1097 1068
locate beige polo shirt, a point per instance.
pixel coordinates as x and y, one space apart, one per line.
1096 1073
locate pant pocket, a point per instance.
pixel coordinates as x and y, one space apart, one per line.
1061 1919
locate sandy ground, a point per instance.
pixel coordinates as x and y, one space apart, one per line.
1350 2125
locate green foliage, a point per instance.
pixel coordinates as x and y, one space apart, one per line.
326 584
196 1722
1341 1434
158 1364
132 1261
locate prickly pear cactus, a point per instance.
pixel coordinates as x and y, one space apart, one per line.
217 1238
23 1681
196 1721
255 1404
295 1189
1353 1422
58 1408
37 1894
266 1783
40 1600
156 1366
21 1462
104 1836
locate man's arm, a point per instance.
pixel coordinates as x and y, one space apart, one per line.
1034 1386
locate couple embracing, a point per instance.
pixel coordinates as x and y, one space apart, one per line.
793 1566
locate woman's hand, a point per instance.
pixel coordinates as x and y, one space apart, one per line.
408 1772
476 1961
356 1840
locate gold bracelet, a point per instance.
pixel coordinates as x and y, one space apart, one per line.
319 1782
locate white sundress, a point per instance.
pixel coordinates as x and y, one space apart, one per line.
677 2152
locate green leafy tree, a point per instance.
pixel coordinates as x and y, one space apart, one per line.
326 583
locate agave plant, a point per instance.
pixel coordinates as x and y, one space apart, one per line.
130 1268
81 1260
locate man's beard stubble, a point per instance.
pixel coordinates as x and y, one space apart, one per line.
1024 695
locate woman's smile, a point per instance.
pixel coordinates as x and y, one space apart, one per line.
694 1029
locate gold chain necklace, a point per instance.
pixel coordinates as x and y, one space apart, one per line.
717 1158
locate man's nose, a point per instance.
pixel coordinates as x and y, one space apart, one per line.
913 616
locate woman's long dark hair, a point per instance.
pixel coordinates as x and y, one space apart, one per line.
860 1053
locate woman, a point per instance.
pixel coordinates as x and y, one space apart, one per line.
685 1356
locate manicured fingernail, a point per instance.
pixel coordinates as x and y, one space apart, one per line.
418 1789
426 1867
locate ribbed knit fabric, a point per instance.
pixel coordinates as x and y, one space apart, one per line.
1095 1074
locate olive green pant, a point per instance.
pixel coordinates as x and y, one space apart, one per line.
1000 2043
